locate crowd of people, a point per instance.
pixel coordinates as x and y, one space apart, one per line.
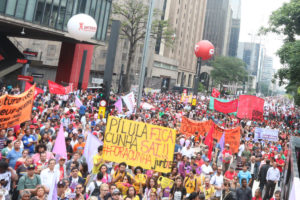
28 167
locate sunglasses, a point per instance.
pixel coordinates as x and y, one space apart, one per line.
77 188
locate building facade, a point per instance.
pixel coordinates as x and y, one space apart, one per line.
187 20
250 54
216 25
235 27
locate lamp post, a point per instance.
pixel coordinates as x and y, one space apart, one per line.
204 50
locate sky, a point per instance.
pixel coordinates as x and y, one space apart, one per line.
255 14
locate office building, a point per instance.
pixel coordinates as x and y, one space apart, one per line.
235 27
217 25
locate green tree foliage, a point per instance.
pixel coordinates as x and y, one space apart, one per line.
228 70
133 15
201 88
286 21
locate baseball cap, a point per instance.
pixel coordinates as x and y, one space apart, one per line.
30 167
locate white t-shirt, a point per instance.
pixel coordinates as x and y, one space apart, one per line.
241 149
7 177
218 181
206 169
187 152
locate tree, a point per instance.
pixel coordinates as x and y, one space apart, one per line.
228 70
201 88
286 21
133 15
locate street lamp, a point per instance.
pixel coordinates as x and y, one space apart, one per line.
204 50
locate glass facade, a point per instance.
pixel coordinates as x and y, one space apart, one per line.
56 13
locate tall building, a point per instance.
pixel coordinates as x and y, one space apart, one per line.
267 70
250 54
187 19
217 27
235 27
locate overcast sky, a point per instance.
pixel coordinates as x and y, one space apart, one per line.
254 14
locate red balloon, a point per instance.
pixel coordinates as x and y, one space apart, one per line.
204 49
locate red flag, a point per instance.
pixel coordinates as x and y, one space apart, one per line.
250 107
209 140
36 91
215 93
55 88
226 107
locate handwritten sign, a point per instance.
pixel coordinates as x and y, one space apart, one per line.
139 144
190 127
16 109
266 134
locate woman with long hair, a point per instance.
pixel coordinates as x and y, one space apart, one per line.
132 194
124 184
139 180
151 185
106 176
227 194
21 160
178 191
83 168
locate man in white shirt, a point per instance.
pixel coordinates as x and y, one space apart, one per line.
241 148
273 176
49 176
187 151
217 182
206 168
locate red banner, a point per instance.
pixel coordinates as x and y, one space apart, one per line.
55 88
36 91
232 137
215 93
190 127
250 107
226 107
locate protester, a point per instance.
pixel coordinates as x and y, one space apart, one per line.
195 173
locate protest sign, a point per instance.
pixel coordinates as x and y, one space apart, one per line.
266 134
189 127
139 144
250 107
226 107
16 109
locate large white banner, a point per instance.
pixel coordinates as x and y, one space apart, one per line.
129 101
266 134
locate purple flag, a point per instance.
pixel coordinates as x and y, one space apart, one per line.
222 142
91 149
60 144
119 105
78 103
53 193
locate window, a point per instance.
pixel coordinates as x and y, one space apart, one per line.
61 14
20 11
140 61
30 10
51 50
178 77
189 80
125 44
10 7
39 11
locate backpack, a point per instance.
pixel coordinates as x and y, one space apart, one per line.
96 191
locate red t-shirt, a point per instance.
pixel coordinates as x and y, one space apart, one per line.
230 175
225 153
199 162
280 161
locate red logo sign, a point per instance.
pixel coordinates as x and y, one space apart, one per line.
25 78
81 26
